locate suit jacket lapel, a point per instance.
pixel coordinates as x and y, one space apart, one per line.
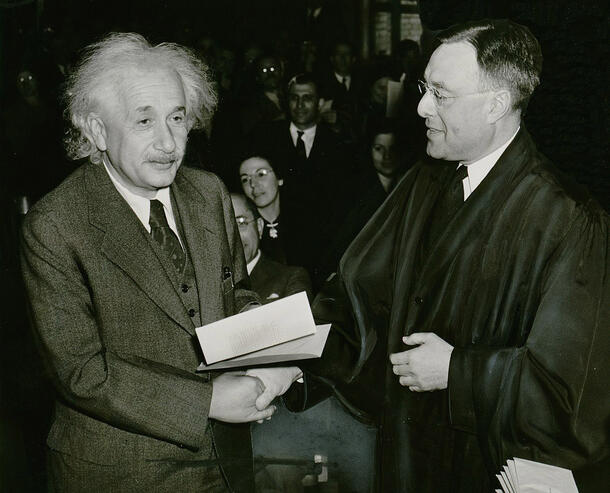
200 238
126 244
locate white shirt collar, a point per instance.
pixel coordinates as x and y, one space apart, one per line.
348 79
141 205
309 136
478 170
250 265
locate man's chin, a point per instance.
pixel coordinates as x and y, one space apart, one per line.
433 151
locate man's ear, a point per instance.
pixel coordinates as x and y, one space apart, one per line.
97 130
260 225
280 182
501 104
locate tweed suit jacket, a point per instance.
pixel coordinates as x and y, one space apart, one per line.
116 336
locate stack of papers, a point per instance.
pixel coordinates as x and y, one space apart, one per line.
280 331
526 476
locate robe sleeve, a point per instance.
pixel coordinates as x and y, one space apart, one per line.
547 399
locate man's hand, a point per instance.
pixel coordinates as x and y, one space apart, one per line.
425 367
275 382
233 399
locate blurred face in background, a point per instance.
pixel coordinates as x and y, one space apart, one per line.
27 84
250 228
342 59
269 73
303 105
259 182
384 156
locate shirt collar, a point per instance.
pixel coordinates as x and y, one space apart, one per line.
340 78
478 170
141 205
250 265
309 135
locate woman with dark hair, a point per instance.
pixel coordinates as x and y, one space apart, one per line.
261 184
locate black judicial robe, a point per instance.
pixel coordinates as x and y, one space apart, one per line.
518 284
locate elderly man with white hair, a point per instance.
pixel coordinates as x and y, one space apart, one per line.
121 262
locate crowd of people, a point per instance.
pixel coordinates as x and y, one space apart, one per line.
316 146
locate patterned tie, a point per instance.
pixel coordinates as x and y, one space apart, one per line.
301 145
164 236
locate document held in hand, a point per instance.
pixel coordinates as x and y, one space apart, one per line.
263 327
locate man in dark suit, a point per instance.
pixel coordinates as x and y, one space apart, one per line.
344 88
312 161
484 278
121 262
269 279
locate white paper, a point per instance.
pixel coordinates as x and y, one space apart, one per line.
268 325
513 474
505 475
307 347
536 477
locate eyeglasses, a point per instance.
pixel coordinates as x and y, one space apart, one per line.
243 222
438 97
265 70
259 174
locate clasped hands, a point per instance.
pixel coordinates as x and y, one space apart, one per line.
243 396
425 367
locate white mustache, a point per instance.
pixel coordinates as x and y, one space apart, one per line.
162 158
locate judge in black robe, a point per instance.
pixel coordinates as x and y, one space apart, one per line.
517 286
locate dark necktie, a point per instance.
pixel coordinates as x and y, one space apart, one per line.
301 145
448 203
164 236
344 83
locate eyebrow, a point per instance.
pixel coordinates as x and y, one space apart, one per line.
144 109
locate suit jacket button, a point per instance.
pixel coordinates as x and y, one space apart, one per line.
419 300
192 312
184 288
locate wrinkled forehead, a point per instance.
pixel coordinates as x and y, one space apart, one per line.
144 86
453 66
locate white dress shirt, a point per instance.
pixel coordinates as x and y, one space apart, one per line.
478 170
348 80
308 136
141 205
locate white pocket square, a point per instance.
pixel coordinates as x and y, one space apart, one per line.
272 296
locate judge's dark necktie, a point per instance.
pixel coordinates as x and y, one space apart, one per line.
448 203
301 145
164 236
344 84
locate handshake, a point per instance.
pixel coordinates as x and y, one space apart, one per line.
243 396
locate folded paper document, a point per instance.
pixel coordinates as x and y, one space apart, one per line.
527 476
263 327
307 347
